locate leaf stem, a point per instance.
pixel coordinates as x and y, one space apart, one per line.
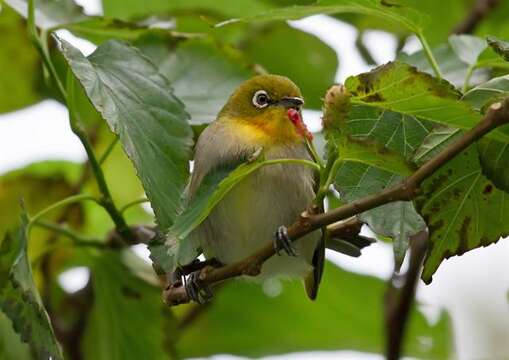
468 76
309 163
77 238
61 203
108 150
133 203
429 54
41 48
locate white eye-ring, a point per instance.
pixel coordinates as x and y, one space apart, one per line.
261 99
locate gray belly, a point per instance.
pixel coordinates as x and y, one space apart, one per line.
247 218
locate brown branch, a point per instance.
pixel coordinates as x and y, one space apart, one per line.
478 12
497 115
399 299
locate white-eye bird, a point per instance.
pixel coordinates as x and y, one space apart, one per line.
263 114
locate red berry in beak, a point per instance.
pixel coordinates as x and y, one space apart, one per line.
296 119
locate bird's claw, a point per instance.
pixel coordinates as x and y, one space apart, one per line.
282 242
196 289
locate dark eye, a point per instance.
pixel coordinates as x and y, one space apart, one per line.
261 99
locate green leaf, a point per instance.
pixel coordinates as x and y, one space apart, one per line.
488 92
19 299
50 13
128 319
19 85
467 47
406 17
139 106
500 47
494 157
244 321
303 54
202 74
397 220
463 210
401 88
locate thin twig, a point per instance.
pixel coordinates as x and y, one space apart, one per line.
497 115
399 298
479 11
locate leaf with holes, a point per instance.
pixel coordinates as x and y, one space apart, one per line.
354 133
19 299
463 210
139 106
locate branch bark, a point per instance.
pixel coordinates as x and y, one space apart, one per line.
497 115
479 11
399 299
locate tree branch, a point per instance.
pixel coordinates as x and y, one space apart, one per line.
399 299
479 11
497 115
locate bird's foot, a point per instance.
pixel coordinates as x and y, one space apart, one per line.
196 289
283 242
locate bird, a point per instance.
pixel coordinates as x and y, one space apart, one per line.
262 117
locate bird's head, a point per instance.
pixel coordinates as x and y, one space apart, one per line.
267 108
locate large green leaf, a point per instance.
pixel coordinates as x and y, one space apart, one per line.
139 106
295 54
463 210
202 74
18 86
488 92
127 319
19 299
406 17
50 13
244 321
395 136
402 88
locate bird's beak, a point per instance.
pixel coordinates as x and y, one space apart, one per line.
291 102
